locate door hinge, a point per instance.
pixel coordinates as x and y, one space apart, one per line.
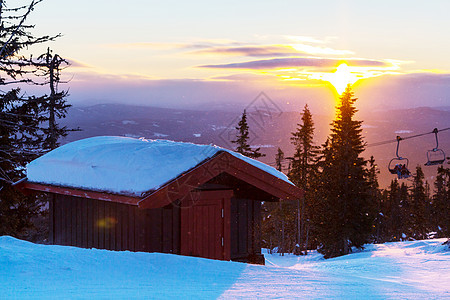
222 241
222 212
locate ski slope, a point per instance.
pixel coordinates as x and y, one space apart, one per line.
403 270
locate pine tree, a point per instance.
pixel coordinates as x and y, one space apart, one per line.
20 134
343 216
302 169
242 139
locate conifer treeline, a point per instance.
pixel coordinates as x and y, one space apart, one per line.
343 206
415 212
28 123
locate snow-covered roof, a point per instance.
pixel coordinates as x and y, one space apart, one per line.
124 165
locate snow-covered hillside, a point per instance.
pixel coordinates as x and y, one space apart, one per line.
404 270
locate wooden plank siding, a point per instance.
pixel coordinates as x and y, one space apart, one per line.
90 223
205 226
245 228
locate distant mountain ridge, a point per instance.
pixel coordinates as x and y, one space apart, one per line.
269 129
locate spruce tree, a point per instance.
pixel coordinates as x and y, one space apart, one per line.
19 141
20 134
269 234
54 105
393 212
305 153
279 212
375 194
344 202
404 211
279 158
418 207
242 138
302 169
382 218
441 203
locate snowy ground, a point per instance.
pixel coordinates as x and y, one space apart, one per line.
406 270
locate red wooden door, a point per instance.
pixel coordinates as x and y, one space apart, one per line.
205 224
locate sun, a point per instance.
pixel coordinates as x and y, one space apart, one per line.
341 78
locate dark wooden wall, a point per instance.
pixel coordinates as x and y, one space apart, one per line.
90 223
245 228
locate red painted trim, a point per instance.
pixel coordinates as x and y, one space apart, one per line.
266 182
222 163
78 193
261 179
184 184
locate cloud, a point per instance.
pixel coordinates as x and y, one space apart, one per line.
201 44
296 46
255 50
271 50
245 77
144 45
295 62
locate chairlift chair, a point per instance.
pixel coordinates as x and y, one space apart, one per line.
435 156
397 160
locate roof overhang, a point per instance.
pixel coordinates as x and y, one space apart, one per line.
181 186
27 187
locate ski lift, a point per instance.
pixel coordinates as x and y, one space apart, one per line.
435 156
397 161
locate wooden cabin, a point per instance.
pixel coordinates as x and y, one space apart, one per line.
207 202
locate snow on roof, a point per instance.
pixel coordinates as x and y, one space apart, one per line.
124 165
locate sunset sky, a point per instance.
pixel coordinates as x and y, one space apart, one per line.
188 53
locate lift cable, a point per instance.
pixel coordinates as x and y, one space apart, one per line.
405 138
393 140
